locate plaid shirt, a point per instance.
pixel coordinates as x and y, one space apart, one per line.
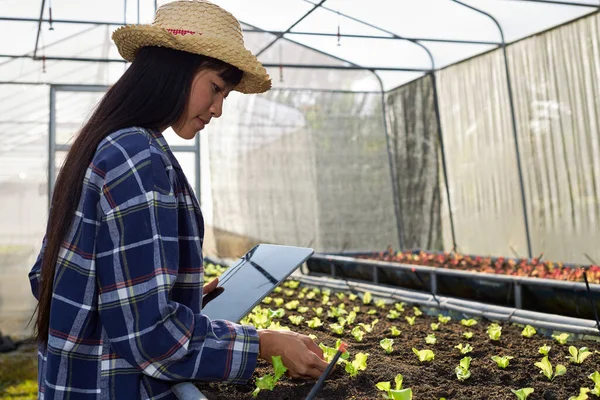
126 318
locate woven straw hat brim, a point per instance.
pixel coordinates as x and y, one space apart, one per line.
131 38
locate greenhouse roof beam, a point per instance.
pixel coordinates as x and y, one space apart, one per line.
37 38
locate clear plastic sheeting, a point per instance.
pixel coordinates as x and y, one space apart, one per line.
413 131
302 167
480 155
556 84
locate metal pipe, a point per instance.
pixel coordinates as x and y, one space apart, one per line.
561 3
315 6
513 119
196 150
39 29
51 144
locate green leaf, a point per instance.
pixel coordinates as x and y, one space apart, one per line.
318 311
462 371
465 362
302 310
296 319
430 339
417 312
468 335
434 326
528 331
468 322
545 367
464 349
502 362
266 382
494 331
424 355
387 345
523 393
595 377
410 320
380 303
402 394
560 370
393 314
398 381
385 386
394 331
545 349
278 301
278 367
351 317
314 323
356 309
352 297
357 333
267 300
372 312
582 394
337 329
367 298
562 338
341 295
443 320
292 305
399 306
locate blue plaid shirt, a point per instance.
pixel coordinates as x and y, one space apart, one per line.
126 317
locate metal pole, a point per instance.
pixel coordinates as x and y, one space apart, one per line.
37 38
514 124
198 168
51 144
395 190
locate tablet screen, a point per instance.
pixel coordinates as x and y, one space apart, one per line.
246 283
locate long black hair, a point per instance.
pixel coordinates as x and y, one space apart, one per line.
152 93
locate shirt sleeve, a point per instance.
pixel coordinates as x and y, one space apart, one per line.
137 260
36 272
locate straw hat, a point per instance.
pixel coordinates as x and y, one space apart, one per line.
200 27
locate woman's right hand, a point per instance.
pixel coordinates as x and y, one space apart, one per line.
300 355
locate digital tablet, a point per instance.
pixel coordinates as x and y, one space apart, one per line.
243 285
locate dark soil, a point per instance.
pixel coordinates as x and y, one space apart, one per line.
428 380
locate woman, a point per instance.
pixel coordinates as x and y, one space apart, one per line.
119 278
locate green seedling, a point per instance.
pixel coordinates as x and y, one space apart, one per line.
468 322
443 320
292 284
326 292
380 304
372 312
399 306
393 314
278 290
314 323
276 326
462 370
268 381
431 339
325 299
337 329
544 350
278 301
410 320
548 371
367 298
434 326
274 314
267 300
582 394
394 331
296 319
464 349
468 335
311 295
577 356
292 305
417 312
318 311
562 338
352 297
395 394
359 364
351 318
301 296
528 331
303 310
523 393
336 312
369 327
356 309
340 295
595 377
313 337
358 334
289 292
387 345
494 331
502 362
424 355
330 352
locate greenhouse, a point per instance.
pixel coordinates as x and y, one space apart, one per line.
441 154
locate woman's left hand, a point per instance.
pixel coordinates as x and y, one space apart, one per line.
210 286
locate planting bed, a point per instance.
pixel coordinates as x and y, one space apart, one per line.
428 380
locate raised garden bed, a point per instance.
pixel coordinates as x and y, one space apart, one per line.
555 296
427 380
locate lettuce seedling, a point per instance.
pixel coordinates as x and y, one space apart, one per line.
278 301
548 371
352 297
544 350
289 292
359 364
417 312
279 313
562 338
268 381
325 299
277 290
502 362
300 296
358 334
351 318
330 352
582 394
431 339
296 319
468 335
367 298
595 377
380 304
336 312
267 300
314 323
394 331
340 295
337 329
312 337
292 305
395 394
304 289
577 356
311 295
494 331
292 284
523 393
462 370
276 326
372 312
424 355
434 326
302 310
356 309
468 322
369 328
528 331
387 345
444 320
399 306
318 311
393 314
410 320
326 292
464 349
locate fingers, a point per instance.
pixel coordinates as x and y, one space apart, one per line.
210 286
318 363
311 373
312 346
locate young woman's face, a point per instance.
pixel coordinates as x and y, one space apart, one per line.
206 102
